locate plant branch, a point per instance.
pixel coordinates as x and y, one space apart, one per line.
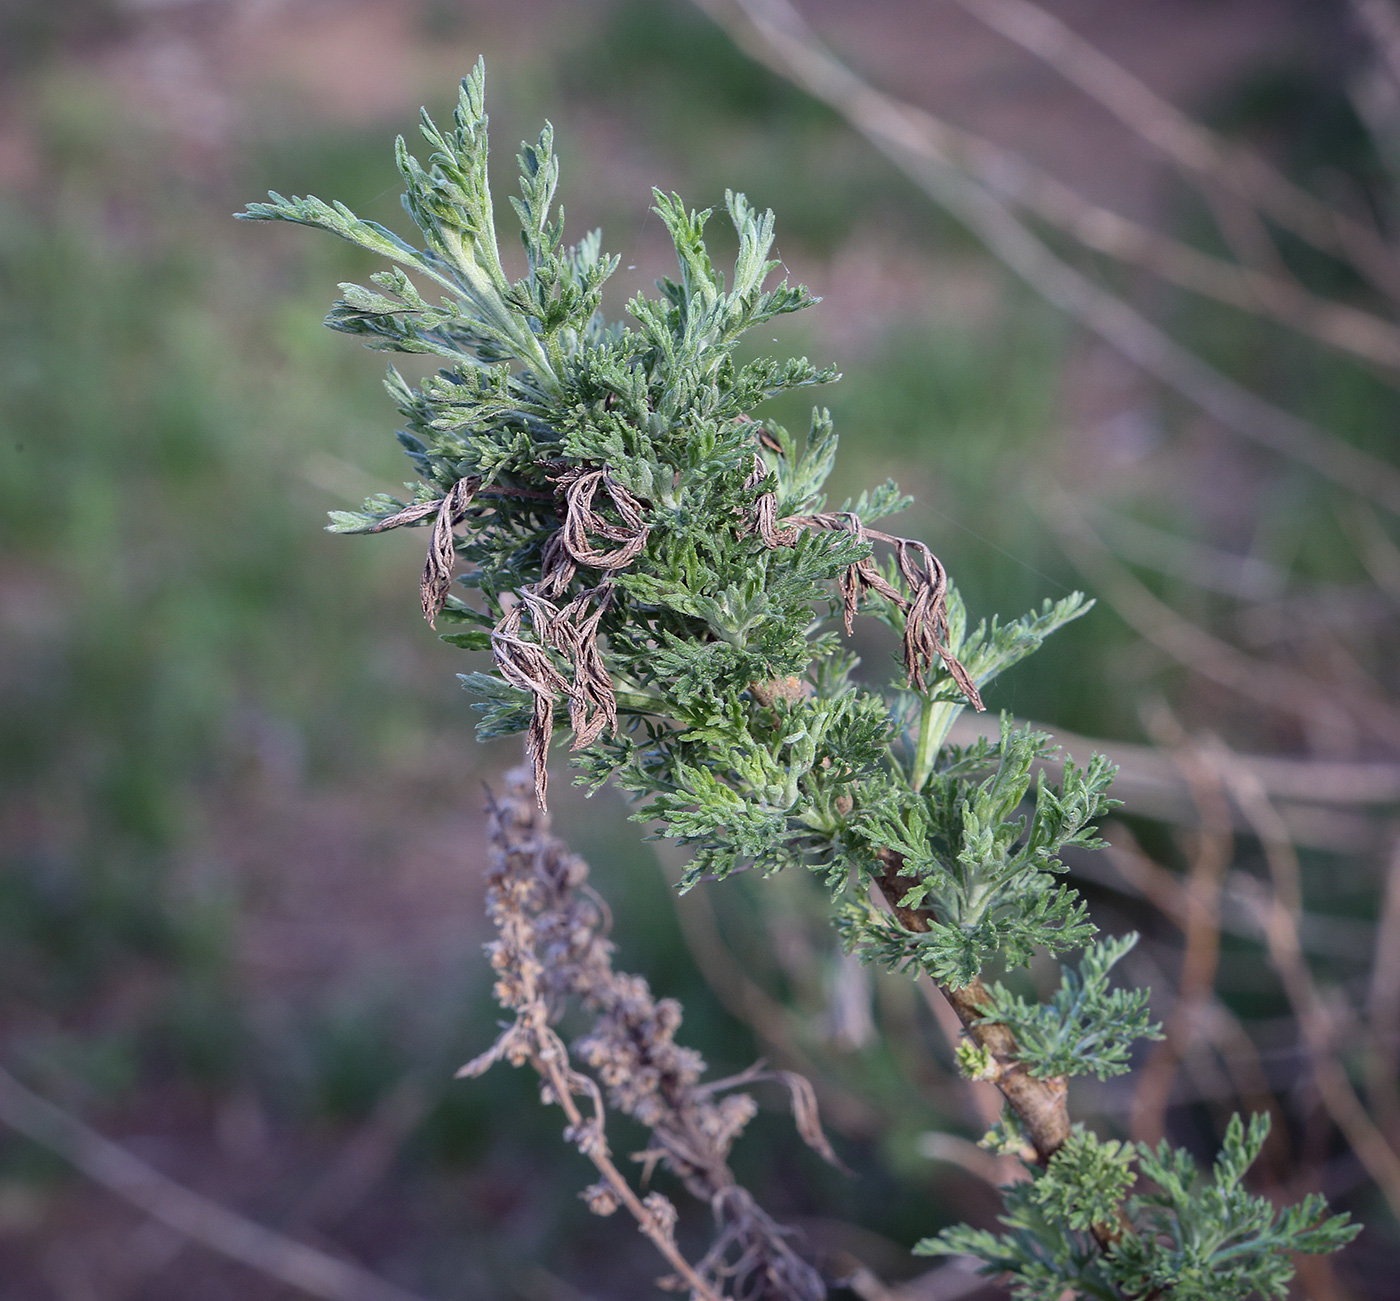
690 556
1040 1105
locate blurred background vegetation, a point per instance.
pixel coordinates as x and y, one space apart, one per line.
240 827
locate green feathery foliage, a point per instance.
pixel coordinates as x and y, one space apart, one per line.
1190 1239
656 568
1085 1027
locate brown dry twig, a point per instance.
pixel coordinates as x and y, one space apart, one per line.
772 1023
1274 686
551 948
1190 145
1278 912
1383 1009
775 34
1215 843
528 984
187 1212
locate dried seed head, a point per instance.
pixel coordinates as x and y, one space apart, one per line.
600 1198
551 947
663 1212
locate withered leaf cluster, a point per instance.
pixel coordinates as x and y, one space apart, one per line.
570 630
925 611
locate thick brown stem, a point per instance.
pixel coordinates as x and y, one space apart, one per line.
1040 1105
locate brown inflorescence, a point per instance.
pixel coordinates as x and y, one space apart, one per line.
551 948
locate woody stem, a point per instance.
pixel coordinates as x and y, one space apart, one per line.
1040 1105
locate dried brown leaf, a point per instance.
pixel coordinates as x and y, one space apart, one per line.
803 1100
581 521
925 612
442 553
409 515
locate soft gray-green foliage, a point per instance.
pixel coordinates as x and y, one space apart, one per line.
1086 1026
655 567
1191 1239
987 870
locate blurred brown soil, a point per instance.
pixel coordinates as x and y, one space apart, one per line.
339 879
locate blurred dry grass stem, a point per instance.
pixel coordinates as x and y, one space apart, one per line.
1279 912
1194 148
1383 1010
1215 1025
774 33
773 1024
1271 685
1381 23
1195 985
291 1263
